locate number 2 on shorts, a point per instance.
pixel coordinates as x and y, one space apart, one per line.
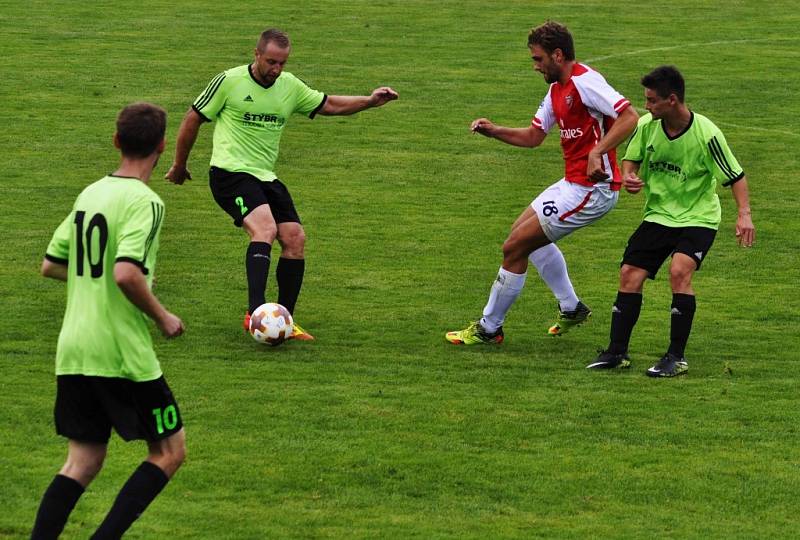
240 203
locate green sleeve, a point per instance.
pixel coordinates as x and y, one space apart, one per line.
139 230
308 99
212 100
635 149
58 248
723 163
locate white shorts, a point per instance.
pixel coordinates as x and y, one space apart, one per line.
566 206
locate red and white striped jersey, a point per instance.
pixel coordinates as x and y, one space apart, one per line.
584 109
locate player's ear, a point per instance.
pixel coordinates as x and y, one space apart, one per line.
161 146
116 140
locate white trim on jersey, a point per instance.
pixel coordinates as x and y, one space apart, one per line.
544 117
598 95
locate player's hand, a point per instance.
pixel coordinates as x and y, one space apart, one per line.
484 126
381 96
745 231
632 183
171 326
178 175
594 169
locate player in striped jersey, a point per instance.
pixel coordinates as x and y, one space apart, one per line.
677 156
592 119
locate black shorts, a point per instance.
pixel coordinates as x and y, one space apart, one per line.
239 193
87 407
651 244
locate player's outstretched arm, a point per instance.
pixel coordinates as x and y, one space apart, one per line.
131 281
54 270
528 137
345 105
187 134
745 230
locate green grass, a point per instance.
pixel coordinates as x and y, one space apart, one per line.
379 428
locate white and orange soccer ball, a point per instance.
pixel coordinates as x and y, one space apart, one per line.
271 323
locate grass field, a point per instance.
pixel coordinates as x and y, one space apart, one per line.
379 428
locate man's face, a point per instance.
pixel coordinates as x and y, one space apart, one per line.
269 64
656 105
547 64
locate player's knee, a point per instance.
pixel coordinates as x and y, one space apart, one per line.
296 240
262 232
680 278
293 244
169 455
511 249
177 455
85 469
631 278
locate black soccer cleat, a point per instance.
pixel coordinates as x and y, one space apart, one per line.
669 366
609 360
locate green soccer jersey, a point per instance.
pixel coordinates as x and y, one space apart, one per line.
104 334
680 174
250 118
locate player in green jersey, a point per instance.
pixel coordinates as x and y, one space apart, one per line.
677 156
106 371
250 106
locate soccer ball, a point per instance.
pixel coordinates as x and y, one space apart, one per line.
271 324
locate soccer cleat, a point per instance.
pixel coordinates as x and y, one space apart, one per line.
246 322
474 334
669 366
608 360
299 334
568 319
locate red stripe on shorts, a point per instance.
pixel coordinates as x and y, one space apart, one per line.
577 209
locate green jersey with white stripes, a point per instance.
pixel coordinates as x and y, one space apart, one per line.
104 334
250 118
680 173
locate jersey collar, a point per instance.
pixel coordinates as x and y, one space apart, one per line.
688 126
250 71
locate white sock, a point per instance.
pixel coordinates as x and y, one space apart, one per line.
550 263
505 290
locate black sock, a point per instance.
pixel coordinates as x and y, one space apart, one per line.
257 265
683 308
142 487
289 275
623 318
57 503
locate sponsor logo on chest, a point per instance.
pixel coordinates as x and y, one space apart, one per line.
569 133
262 119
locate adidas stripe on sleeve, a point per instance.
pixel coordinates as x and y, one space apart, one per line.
725 164
210 102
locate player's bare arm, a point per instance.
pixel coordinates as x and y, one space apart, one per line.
54 270
527 137
745 230
187 134
630 177
621 130
131 281
346 105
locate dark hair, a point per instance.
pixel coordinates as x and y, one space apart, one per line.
140 129
551 36
273 34
665 80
